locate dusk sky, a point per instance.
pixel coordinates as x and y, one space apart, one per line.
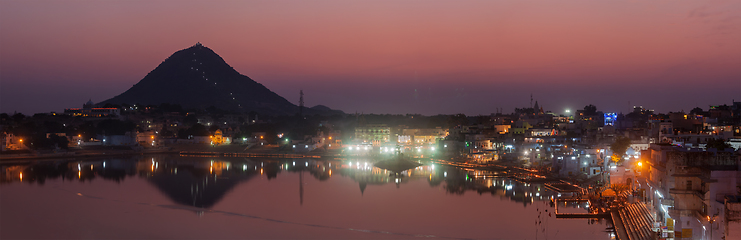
428 57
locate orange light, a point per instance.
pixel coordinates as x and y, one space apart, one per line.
152 137
330 138
640 164
260 137
261 171
21 140
21 176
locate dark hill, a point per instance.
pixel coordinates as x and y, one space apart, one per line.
197 77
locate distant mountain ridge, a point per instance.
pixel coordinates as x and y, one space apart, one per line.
197 77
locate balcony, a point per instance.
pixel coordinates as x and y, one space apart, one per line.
698 193
676 213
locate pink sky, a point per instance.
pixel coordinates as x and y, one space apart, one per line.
469 57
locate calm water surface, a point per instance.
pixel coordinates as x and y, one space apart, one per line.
188 197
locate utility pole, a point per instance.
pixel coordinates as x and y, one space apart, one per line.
301 104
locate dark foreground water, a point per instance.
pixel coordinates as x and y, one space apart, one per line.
215 198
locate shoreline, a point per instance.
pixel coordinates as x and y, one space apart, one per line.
31 157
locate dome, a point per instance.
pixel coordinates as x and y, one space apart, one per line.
88 104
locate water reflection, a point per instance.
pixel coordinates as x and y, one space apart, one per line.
337 194
203 182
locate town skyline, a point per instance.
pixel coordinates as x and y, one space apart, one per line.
386 57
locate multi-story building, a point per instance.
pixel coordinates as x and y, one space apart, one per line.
375 134
89 110
688 188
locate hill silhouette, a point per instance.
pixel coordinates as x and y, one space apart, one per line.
197 77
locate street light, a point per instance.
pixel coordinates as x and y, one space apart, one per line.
711 221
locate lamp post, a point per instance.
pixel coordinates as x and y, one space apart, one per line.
711 221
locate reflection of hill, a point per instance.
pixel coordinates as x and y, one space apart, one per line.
196 187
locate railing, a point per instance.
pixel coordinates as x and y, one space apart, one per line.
697 193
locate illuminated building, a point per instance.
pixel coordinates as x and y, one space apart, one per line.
89 110
375 134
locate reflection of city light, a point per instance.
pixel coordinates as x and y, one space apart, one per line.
330 172
445 174
21 176
79 174
260 171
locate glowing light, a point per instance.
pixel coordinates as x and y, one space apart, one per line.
640 164
21 176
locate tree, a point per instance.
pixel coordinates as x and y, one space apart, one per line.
115 127
457 120
590 110
60 142
190 119
697 111
619 188
619 147
213 128
198 130
717 144
18 117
